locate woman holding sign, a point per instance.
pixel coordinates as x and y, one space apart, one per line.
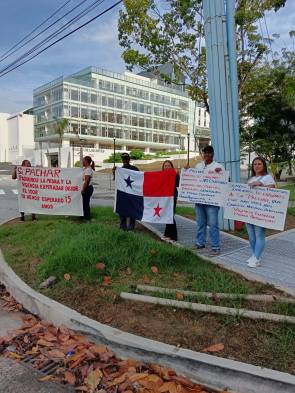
259 178
26 163
171 229
87 187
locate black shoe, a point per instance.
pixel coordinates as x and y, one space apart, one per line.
198 247
214 252
34 217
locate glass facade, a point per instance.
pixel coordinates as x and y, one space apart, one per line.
102 106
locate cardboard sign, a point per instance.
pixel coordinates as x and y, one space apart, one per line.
208 188
53 191
265 207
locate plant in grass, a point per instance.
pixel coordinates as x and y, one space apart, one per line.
111 158
137 154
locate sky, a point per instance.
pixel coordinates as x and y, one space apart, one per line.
96 44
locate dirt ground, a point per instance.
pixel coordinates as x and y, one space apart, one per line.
244 340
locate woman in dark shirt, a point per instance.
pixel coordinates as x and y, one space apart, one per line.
171 229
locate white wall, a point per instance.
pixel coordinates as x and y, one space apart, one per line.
3 137
16 137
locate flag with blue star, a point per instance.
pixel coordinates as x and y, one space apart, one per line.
145 196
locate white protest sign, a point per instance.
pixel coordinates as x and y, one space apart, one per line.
208 188
265 207
53 191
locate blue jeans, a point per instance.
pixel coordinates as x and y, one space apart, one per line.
256 238
207 215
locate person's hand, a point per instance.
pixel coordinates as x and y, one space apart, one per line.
82 192
186 166
218 170
256 184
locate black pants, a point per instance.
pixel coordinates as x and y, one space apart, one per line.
86 201
171 229
123 223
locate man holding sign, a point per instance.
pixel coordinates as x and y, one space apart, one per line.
208 214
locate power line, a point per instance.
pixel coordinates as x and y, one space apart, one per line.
36 28
56 33
37 35
61 38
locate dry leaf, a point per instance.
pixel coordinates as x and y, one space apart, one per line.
82 389
70 378
146 279
128 271
214 348
67 277
46 378
155 270
98 349
106 280
100 266
93 380
45 343
108 320
55 354
179 295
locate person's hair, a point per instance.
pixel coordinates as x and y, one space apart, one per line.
90 161
24 162
125 156
208 149
264 165
170 162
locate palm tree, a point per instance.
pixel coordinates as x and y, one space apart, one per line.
60 127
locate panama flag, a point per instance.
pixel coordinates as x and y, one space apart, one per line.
145 196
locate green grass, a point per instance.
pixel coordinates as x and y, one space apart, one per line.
291 211
62 245
186 211
291 188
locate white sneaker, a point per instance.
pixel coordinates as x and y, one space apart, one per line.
249 260
254 262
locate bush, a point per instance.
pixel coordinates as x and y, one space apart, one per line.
77 164
111 158
136 154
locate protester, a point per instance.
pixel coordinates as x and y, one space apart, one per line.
259 178
87 187
208 214
14 176
171 229
123 219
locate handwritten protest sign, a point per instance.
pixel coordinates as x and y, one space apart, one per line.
206 188
50 191
265 207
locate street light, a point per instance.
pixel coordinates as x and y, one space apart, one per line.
179 149
81 140
114 167
188 147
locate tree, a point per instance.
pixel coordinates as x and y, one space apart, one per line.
157 32
60 127
272 133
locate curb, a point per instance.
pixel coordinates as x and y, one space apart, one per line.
206 369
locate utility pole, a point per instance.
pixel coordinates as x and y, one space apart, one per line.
219 25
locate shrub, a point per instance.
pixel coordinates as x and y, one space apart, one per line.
136 154
111 158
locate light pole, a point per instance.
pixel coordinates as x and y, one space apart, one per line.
188 147
179 147
81 150
114 167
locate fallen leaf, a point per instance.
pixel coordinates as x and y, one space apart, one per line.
179 295
98 349
146 280
67 277
128 271
70 378
93 380
155 270
100 266
82 389
214 348
106 280
46 378
108 320
45 343
55 354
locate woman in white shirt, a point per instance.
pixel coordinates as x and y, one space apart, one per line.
260 178
87 187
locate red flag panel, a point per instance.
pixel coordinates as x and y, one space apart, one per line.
159 184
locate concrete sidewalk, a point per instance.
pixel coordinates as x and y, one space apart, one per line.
278 262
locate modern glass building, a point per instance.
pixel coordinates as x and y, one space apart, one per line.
138 111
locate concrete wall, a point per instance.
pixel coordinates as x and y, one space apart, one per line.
16 137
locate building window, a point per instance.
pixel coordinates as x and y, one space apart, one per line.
74 111
84 96
93 98
74 95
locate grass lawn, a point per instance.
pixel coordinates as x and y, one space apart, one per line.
58 246
291 188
